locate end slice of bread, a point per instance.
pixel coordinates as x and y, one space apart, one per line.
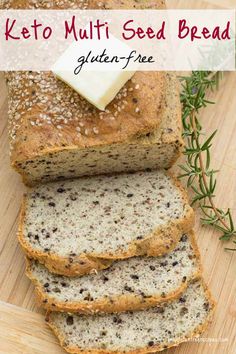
76 226
146 331
132 284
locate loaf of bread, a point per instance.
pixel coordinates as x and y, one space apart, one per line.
55 133
48 117
147 331
135 283
76 226
47 144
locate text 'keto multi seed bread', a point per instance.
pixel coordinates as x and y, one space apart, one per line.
76 226
146 331
135 283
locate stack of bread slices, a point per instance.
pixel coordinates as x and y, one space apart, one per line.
115 263
106 230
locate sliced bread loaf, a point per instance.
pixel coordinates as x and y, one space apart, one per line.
55 133
64 158
77 226
146 331
132 284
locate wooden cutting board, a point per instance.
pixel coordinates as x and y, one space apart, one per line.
22 326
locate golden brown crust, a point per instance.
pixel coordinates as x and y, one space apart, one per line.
52 115
84 4
128 4
122 303
157 348
163 240
168 135
43 4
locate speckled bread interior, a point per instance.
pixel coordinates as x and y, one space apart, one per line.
76 226
147 331
136 283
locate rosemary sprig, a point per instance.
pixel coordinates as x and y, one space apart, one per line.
201 177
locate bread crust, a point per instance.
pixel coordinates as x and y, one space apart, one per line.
91 4
118 304
161 241
32 140
156 348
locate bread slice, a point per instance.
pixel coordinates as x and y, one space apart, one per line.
76 226
132 284
147 331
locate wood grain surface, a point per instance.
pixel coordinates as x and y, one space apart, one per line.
25 332
22 327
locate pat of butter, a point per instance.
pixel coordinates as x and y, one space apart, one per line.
101 86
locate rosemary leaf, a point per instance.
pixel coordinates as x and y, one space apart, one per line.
201 178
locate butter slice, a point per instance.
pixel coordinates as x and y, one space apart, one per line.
99 87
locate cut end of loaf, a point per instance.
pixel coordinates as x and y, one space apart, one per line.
155 148
72 162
